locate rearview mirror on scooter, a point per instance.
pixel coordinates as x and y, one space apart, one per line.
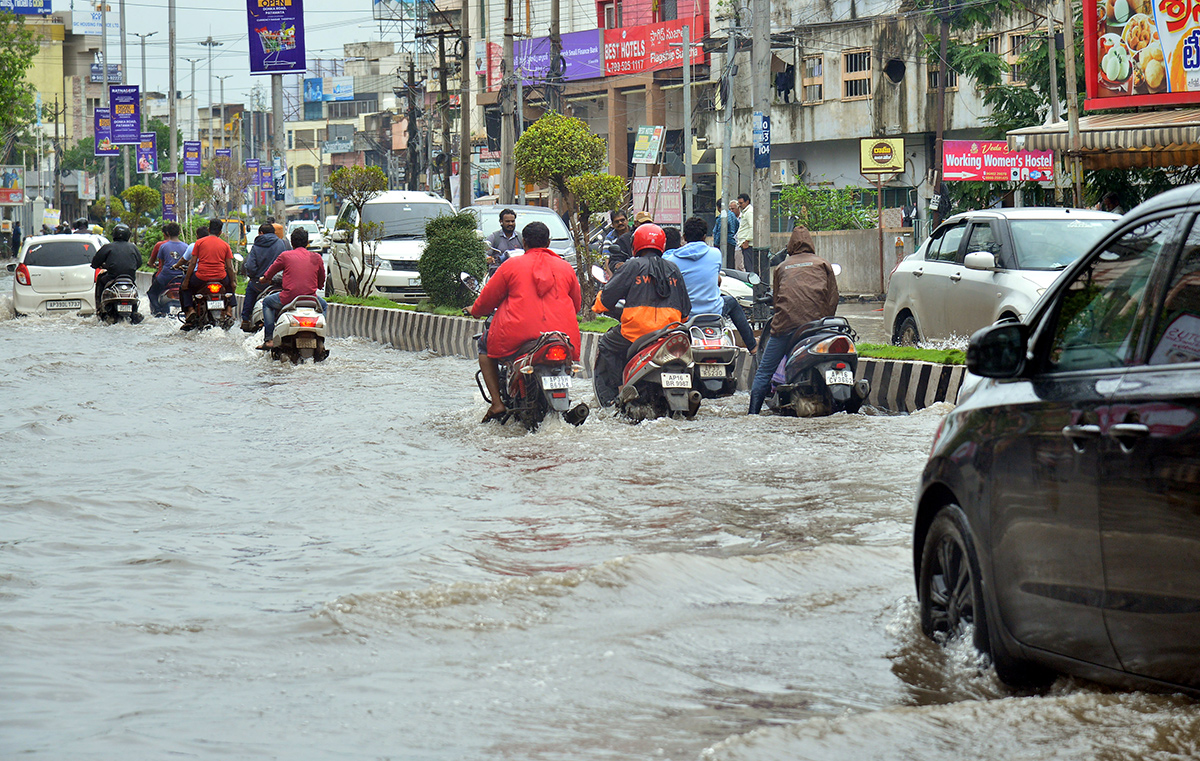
753 278
837 269
470 281
599 275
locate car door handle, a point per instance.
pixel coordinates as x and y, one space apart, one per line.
1127 434
956 277
1079 434
918 272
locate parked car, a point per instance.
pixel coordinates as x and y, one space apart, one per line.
329 223
982 266
1059 510
53 274
403 215
561 241
316 239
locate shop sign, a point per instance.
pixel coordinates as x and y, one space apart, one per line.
665 199
648 144
881 155
636 49
992 161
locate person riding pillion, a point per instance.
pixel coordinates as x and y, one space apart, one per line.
700 264
655 296
804 288
303 275
211 260
529 295
118 258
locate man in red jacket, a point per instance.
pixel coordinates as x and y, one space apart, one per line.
530 294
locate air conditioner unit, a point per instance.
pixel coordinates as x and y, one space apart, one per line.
783 172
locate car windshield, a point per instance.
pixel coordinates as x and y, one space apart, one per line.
558 229
1052 244
404 220
60 253
310 226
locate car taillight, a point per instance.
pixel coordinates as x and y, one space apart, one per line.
214 287
22 274
838 345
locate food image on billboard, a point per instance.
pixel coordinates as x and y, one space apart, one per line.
1141 52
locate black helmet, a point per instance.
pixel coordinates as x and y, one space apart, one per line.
80 224
121 232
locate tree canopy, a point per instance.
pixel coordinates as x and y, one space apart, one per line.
18 45
557 147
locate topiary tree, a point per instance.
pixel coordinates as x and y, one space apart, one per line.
594 194
451 247
105 207
141 200
356 185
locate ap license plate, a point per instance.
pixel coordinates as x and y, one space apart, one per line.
218 304
69 304
556 381
839 378
124 307
676 380
306 342
712 370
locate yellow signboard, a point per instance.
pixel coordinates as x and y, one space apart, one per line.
878 155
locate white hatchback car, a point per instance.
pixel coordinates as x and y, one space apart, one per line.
982 266
316 239
53 274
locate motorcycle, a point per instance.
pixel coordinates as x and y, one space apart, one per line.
715 353
537 380
817 375
300 331
119 301
657 380
209 304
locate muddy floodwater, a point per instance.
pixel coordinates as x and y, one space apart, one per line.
204 554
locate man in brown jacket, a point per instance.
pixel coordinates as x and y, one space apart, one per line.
804 289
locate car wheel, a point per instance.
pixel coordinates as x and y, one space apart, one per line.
329 290
951 599
906 332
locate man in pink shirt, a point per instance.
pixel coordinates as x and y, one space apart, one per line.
303 273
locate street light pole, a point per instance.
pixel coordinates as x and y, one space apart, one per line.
210 43
223 78
173 119
107 184
142 39
124 70
193 117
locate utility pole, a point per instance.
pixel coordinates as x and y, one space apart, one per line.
465 196
554 89
760 188
173 119
210 43
223 78
106 186
1054 107
142 39
444 101
412 149
686 48
124 74
507 141
194 116
57 159
520 128
1072 100
943 72
727 143
277 154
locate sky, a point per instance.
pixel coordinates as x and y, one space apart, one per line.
329 24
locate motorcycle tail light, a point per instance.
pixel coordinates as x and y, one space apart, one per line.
838 345
305 322
677 346
22 274
556 353
214 287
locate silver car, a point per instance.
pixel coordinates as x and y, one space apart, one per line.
561 241
982 266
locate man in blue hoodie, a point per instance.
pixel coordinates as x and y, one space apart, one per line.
266 247
700 264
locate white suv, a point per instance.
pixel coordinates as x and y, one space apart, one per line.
403 215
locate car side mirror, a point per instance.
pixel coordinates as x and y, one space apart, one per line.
12 267
341 236
980 260
998 351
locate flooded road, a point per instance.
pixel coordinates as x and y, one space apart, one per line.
204 554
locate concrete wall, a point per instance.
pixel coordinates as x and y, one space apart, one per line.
858 253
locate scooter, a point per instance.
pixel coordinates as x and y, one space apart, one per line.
300 331
256 314
119 301
715 355
817 375
537 380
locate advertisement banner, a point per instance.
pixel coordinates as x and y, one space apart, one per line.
762 140
581 52
276 36
87 189
992 161
1141 52
168 197
191 158
314 90
266 177
26 7
88 22
102 128
649 48
338 88
648 144
281 188
223 153
147 153
114 73
878 155
12 185
665 200
123 101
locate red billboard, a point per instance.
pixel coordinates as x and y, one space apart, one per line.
636 49
992 161
1141 52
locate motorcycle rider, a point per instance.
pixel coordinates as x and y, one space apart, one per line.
529 295
120 257
211 259
655 296
81 227
303 275
804 288
263 252
503 240
166 256
700 264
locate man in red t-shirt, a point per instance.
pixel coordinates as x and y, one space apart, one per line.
303 274
212 259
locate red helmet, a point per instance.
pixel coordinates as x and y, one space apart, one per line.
649 235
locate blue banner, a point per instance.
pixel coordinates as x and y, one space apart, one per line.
147 153
762 140
276 36
102 127
191 158
124 102
26 7
168 197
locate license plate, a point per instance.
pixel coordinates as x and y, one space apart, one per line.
124 307
676 380
306 342
839 378
712 371
69 304
414 281
556 381
216 304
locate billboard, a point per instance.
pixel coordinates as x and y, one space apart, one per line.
26 7
12 185
125 105
314 90
191 158
338 88
581 53
114 73
102 129
89 22
665 199
147 153
1141 52
223 153
648 144
880 155
992 161
647 48
276 36
168 197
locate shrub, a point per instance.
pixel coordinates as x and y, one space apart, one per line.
153 234
451 247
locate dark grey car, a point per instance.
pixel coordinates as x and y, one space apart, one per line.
1059 511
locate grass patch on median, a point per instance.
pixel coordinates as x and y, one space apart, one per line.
936 356
369 301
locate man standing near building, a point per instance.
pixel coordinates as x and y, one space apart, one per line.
726 225
745 232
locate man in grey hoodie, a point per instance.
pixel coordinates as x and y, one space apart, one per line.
265 248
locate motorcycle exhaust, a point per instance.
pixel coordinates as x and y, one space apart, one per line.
577 414
693 403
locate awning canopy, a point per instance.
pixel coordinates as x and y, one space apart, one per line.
1121 141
